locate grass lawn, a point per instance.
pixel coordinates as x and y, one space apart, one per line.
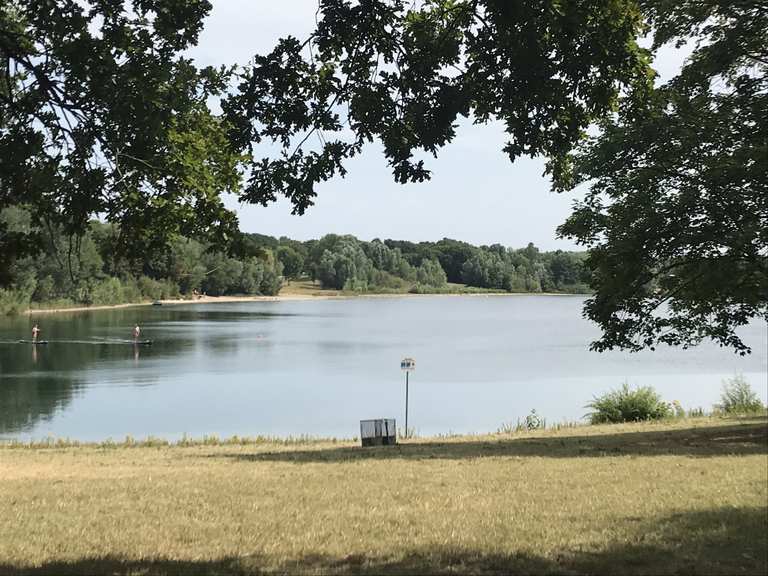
683 497
306 287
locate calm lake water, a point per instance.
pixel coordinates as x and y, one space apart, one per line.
318 367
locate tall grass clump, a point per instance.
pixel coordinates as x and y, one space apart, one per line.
535 422
738 397
532 422
15 299
628 405
13 302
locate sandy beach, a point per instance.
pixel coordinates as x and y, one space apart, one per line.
301 292
200 300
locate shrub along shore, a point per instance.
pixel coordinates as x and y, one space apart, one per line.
670 497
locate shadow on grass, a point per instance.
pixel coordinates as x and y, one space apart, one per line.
719 541
747 437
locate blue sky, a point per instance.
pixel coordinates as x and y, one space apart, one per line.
475 193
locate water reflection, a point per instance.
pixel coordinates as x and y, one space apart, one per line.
319 367
37 381
27 400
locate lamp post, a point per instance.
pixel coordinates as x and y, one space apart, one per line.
407 365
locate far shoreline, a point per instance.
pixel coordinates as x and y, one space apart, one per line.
281 298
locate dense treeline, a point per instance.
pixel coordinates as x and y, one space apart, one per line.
84 269
344 262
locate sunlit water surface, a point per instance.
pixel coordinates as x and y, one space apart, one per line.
318 367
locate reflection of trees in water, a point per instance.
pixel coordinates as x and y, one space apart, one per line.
27 400
37 382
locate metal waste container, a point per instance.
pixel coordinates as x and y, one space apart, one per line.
379 432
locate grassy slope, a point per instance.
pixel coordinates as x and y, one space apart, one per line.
684 497
306 287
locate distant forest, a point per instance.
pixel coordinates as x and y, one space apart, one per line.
86 270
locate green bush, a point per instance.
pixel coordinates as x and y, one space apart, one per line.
14 301
738 397
45 290
628 405
53 304
150 288
531 422
430 273
107 291
535 422
355 285
272 280
382 280
169 289
579 288
131 290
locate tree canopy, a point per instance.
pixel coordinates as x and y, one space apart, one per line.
676 216
403 72
102 115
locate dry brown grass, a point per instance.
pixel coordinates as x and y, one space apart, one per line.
682 497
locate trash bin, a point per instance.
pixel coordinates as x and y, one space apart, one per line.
378 432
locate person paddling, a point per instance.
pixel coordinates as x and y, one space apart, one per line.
35 333
136 333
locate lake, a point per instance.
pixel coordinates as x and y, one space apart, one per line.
317 367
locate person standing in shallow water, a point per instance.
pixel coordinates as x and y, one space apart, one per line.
136 333
35 333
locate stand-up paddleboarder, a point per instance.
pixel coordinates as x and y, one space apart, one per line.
35 333
136 333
